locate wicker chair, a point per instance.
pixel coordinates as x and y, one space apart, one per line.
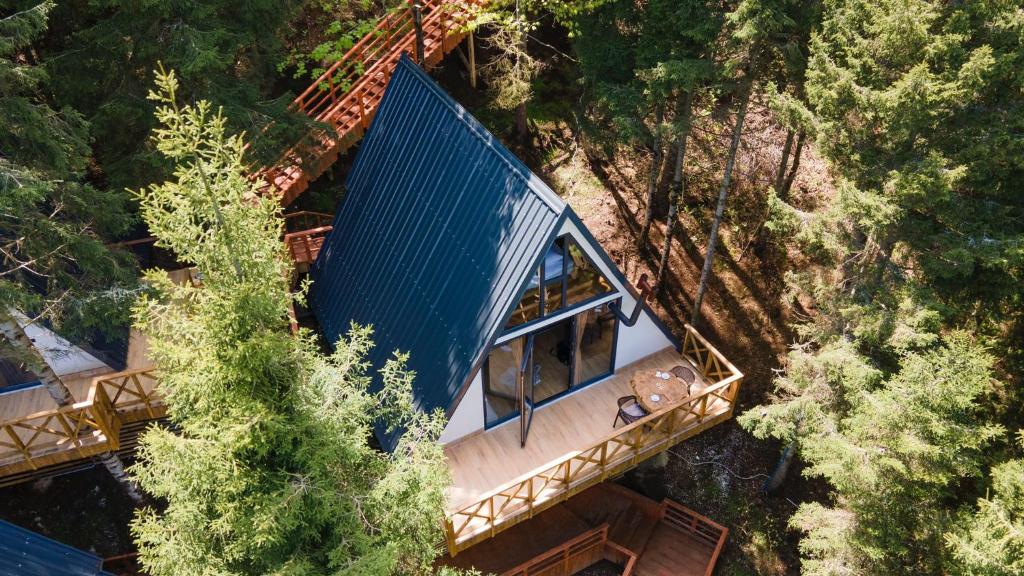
629 411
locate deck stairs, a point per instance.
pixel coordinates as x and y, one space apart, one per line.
344 99
606 522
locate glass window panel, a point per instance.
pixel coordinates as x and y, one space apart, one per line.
585 280
552 358
594 339
529 306
500 394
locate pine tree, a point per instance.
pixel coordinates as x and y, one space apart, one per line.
761 31
894 449
644 61
224 51
272 471
990 540
53 262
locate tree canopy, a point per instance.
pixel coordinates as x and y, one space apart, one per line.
272 471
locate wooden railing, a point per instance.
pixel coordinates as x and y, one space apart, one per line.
306 220
82 429
303 246
576 554
700 528
345 97
621 450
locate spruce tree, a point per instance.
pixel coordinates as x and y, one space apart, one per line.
272 471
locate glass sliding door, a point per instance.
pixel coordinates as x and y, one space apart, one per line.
500 379
552 360
594 343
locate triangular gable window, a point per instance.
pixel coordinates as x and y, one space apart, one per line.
569 278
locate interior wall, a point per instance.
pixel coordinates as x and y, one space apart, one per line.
469 414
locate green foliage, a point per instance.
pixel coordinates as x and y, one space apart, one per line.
917 105
894 449
990 541
224 51
272 471
53 262
636 56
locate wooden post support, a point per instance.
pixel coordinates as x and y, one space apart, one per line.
472 61
417 19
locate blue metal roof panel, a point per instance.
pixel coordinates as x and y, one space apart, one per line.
25 553
439 228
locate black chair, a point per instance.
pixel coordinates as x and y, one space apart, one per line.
629 411
686 374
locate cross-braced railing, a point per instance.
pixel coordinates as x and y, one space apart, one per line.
83 429
619 451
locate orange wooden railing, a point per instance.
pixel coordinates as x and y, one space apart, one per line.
303 246
621 450
576 554
346 96
82 429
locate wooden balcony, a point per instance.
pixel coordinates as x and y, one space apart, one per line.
573 446
32 440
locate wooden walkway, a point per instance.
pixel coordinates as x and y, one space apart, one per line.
605 522
346 96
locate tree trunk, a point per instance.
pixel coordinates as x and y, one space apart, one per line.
18 339
677 192
522 123
652 182
723 192
116 469
780 174
784 193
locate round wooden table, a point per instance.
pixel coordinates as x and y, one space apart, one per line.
646 384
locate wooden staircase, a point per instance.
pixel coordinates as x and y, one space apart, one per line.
605 522
346 96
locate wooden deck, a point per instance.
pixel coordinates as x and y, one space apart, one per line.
37 435
484 461
605 522
572 445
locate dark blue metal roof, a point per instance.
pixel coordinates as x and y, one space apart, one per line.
25 553
435 239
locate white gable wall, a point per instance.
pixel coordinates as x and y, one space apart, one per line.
469 414
634 342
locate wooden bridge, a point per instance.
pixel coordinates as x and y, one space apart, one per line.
345 98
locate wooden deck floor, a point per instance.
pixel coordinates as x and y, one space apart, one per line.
487 460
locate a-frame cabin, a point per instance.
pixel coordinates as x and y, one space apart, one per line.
518 324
